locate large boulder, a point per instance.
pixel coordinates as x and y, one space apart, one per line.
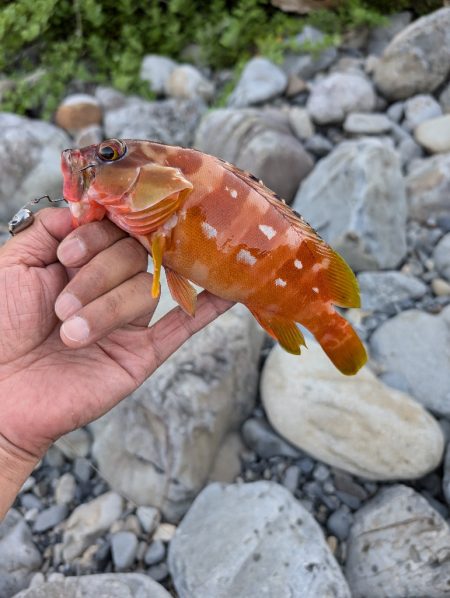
428 187
355 198
260 141
418 59
159 445
252 540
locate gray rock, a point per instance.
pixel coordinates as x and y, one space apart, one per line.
441 256
419 109
301 123
158 572
65 489
124 547
434 134
291 478
149 518
156 70
318 145
75 444
158 446
227 464
261 80
233 535
170 121
418 59
412 345
380 37
110 585
381 289
187 82
358 123
49 518
339 94
444 99
155 553
395 111
30 154
339 523
258 141
88 136
88 522
109 98
408 151
446 478
19 557
260 437
82 469
306 64
428 187
355 198
398 546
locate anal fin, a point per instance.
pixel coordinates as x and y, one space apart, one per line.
158 246
285 331
182 291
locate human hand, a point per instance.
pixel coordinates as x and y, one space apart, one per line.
56 378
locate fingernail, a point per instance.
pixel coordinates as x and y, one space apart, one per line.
71 251
66 305
76 329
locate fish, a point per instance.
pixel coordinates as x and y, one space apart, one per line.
207 222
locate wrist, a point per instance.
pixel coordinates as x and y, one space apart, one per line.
15 467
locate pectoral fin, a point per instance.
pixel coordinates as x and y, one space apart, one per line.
158 246
284 331
182 291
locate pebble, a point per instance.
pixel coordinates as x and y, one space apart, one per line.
427 187
78 111
82 469
318 145
291 478
165 532
156 70
54 457
340 522
381 289
186 82
30 501
123 549
441 256
434 134
158 572
301 123
155 553
261 80
259 437
358 123
420 108
440 287
396 111
149 518
49 518
75 444
65 489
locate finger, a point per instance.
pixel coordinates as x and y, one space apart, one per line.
103 273
124 304
85 242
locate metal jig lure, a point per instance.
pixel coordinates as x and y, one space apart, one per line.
25 217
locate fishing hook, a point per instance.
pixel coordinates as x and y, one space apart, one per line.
25 217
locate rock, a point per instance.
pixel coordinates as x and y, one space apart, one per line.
30 154
149 518
227 464
304 6
155 553
304 64
109 98
301 123
340 522
339 94
428 188
258 141
170 121
434 134
261 80
398 546
395 111
88 136
262 439
156 70
318 145
355 198
412 345
82 469
418 59
158 446
446 478
49 518
420 108
19 557
78 111
444 99
441 256
88 522
233 535
381 289
367 124
65 489
124 546
165 532
440 287
75 444
158 572
110 585
187 83
355 423
380 37
408 151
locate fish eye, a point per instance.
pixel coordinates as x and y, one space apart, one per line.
111 150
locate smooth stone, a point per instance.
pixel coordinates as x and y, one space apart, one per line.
233 535
88 136
396 111
301 123
49 518
355 199
19 557
187 83
165 532
398 546
340 522
420 108
354 423
109 98
105 585
227 464
446 478
444 99
260 437
149 448
88 522
318 145
339 94
428 188
413 344
156 70
408 151
358 123
78 111
379 290
75 444
434 134
65 489
304 64
155 553
158 572
418 59
82 469
124 547
381 36
441 256
440 287
149 518
261 80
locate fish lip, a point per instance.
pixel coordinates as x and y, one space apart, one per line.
74 187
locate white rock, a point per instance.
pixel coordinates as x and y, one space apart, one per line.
261 80
434 134
227 464
156 70
65 489
252 540
398 546
420 108
367 124
187 83
75 444
338 94
149 518
440 287
441 256
355 423
428 187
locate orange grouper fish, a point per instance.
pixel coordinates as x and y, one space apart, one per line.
208 222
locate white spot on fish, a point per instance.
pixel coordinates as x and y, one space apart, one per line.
233 193
280 282
298 264
315 290
210 231
268 231
246 257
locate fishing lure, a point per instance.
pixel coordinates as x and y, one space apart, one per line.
209 223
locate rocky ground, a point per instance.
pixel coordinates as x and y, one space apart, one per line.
337 486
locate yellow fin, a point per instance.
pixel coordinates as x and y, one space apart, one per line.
182 291
156 182
158 246
285 331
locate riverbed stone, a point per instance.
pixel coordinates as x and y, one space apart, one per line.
156 70
233 535
355 423
434 134
441 256
379 290
428 188
188 83
261 80
358 123
78 111
420 108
